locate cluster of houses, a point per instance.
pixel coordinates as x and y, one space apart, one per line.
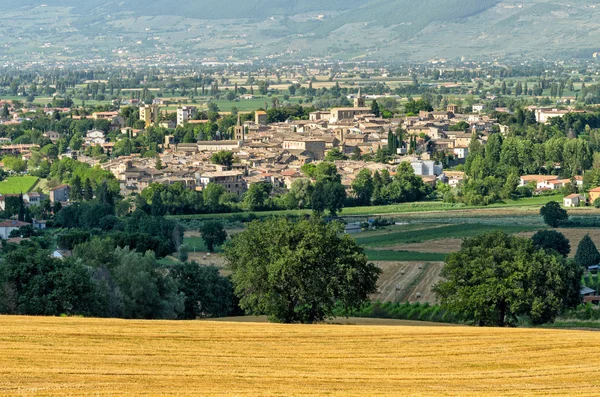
275 152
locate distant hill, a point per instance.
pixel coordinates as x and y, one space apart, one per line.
340 29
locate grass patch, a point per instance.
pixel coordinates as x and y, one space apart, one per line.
451 231
168 261
17 184
404 256
197 244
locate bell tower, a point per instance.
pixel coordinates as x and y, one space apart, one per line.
359 101
239 130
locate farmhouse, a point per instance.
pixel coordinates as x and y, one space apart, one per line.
594 194
573 200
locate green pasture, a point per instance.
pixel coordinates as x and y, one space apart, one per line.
17 184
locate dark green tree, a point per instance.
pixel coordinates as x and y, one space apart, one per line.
328 195
335 154
495 278
257 196
104 195
88 190
212 194
552 240
42 285
363 187
311 269
4 113
147 291
553 214
207 293
392 143
157 208
375 108
76 189
213 233
587 254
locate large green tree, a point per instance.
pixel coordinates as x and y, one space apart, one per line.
328 195
257 195
553 214
297 272
363 187
495 278
213 233
207 293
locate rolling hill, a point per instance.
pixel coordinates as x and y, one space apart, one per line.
295 29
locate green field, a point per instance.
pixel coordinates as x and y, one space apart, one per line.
437 233
425 206
196 244
404 256
17 184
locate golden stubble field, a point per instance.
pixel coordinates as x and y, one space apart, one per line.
71 356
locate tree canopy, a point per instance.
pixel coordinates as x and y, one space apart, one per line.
552 240
495 278
553 214
213 234
297 272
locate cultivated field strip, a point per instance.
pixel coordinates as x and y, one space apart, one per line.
71 356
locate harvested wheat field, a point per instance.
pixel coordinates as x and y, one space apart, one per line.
71 356
407 281
574 235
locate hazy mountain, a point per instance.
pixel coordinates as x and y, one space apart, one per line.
343 29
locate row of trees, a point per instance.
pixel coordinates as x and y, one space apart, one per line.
102 282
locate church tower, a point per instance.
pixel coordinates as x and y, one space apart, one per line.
239 131
359 101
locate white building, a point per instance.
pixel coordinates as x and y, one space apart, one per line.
461 152
186 113
478 107
7 227
427 168
95 137
573 200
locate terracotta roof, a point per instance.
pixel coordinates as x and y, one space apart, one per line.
59 187
14 224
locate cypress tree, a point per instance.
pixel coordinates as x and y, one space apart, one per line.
375 108
88 191
392 142
587 253
76 187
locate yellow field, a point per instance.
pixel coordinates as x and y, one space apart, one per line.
67 356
